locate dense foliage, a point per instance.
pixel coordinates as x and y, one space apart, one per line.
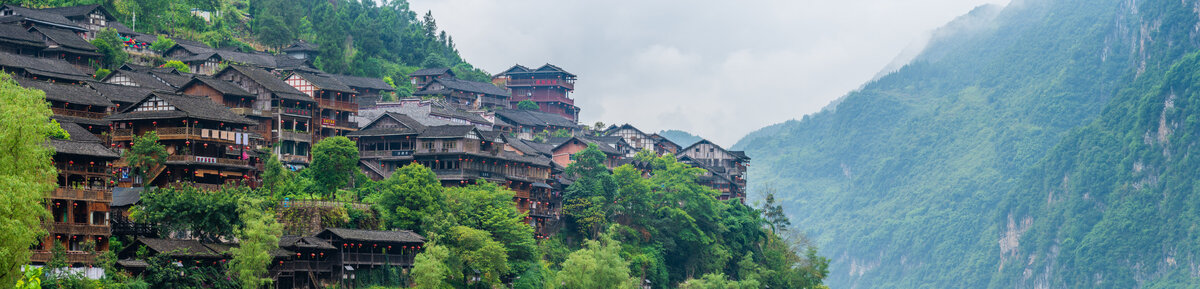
1043 145
26 173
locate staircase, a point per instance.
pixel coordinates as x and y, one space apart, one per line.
154 173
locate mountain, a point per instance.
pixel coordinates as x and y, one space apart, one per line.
681 138
1045 144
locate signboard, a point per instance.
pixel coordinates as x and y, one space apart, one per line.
402 153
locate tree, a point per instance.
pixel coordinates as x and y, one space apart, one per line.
478 254
31 280
528 105
588 201
162 44
26 173
489 207
334 161
410 199
207 215
108 43
257 237
272 31
146 153
177 65
101 73
718 281
597 265
774 214
430 270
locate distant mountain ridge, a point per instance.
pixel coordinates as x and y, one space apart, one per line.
681 138
1050 147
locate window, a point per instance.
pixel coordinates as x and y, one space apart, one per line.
449 144
427 145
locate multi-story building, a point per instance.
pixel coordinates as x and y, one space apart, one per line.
726 169
527 123
285 116
549 86
335 101
208 144
79 206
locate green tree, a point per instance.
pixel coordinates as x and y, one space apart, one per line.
587 202
528 105
26 173
335 159
478 254
145 154
207 215
273 32
162 44
410 199
108 43
718 281
489 207
773 212
101 73
257 237
31 280
597 265
177 65
430 270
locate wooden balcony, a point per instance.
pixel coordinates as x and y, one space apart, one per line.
80 229
338 105
251 112
82 169
388 154
340 124
82 194
208 160
376 259
294 111
179 133
290 158
77 113
296 136
568 84
72 257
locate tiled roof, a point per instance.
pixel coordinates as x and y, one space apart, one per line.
269 81
183 248
363 82
304 242
44 67
75 11
446 131
126 196
66 38
604 147
515 69
256 59
142 79
120 94
81 142
224 87
301 46
324 81
70 93
471 86
413 126
42 17
17 34
432 71
532 118
400 236
198 107
173 79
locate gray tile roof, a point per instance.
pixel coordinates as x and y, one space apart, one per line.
432 71
186 106
120 94
17 34
471 86
446 131
305 242
42 17
66 38
224 87
324 81
126 196
269 81
43 67
532 118
142 79
82 143
357 82
183 248
76 11
64 92
400 236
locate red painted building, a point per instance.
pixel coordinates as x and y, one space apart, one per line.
549 86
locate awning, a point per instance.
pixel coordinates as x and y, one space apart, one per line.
542 185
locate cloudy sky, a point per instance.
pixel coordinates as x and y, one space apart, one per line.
718 69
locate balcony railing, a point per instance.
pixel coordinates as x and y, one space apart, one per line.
386 153
569 84
72 257
125 134
83 194
76 113
294 111
210 160
339 123
251 111
82 169
296 136
290 158
80 229
337 104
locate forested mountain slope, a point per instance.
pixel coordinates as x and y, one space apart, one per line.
1047 144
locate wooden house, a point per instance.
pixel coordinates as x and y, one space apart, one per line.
335 101
423 77
79 207
466 94
730 165
285 114
564 151
549 86
207 143
74 103
16 39
634 137
527 123
90 17
370 90
44 69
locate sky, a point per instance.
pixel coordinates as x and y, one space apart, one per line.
717 69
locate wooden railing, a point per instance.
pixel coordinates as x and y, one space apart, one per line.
569 84
386 153
124 134
72 257
294 111
403 260
338 105
290 158
77 113
339 123
82 194
82 169
251 111
296 136
322 204
80 229
211 160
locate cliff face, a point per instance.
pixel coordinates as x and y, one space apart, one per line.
1042 145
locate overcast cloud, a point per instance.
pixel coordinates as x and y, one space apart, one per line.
718 69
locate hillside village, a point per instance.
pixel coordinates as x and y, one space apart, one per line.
230 110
